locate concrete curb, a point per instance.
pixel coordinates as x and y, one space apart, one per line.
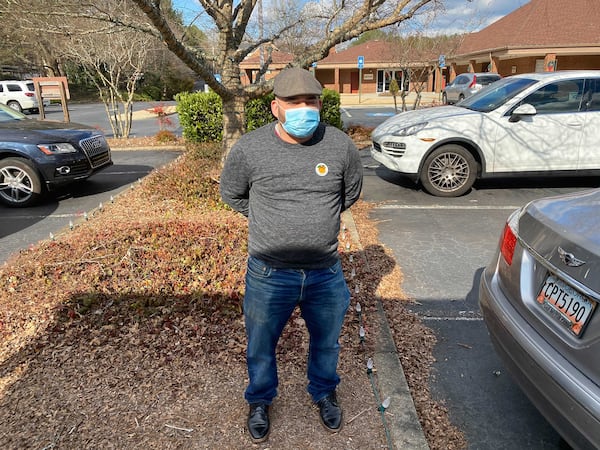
178 148
401 416
402 420
387 100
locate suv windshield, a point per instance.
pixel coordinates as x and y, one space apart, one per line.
496 94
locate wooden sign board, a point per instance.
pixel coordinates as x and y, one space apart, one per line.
47 88
51 87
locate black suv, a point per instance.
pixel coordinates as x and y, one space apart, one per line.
36 156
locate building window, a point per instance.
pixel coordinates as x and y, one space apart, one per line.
385 76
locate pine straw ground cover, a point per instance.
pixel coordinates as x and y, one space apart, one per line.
127 332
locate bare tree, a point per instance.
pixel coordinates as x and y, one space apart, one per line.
113 56
394 90
330 22
108 40
415 55
323 25
114 60
24 55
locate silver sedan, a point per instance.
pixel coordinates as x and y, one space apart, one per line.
539 298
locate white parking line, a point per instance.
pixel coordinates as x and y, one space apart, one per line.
44 216
345 111
460 319
133 172
450 207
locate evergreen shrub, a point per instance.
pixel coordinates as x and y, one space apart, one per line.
201 114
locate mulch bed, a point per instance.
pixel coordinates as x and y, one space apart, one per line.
127 332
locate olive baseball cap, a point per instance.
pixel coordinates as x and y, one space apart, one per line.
296 81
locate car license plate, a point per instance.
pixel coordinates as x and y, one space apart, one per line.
571 308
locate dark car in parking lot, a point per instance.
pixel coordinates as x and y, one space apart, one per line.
37 156
539 298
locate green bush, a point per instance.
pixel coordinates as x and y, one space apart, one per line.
330 112
201 114
148 94
258 112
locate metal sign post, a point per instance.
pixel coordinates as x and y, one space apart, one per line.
361 64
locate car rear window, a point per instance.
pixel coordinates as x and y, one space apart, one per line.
487 79
30 86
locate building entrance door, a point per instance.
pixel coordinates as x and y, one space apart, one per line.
354 82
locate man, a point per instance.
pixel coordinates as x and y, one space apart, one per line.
292 179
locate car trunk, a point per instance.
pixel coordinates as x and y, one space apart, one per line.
551 259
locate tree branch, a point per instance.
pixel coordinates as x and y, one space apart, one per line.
195 62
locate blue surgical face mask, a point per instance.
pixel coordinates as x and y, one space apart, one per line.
301 122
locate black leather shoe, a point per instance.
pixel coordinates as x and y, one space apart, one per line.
330 413
258 422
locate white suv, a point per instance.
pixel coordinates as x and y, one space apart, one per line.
19 95
523 125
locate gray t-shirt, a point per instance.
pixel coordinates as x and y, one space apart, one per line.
293 194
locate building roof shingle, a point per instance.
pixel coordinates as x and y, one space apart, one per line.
382 51
540 23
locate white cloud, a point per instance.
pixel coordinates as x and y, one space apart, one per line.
473 15
458 16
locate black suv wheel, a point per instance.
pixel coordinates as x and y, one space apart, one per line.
20 183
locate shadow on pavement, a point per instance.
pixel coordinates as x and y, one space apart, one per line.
538 182
116 176
491 185
396 178
15 220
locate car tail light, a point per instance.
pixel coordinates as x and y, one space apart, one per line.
29 94
509 237
474 82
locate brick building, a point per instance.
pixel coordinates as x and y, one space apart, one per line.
542 35
539 36
381 61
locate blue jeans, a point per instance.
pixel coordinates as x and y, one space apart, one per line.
271 296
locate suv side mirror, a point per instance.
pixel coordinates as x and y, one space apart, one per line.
522 110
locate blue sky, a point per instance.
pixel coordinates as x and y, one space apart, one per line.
460 15
476 14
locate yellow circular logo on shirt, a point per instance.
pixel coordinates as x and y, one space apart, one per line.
321 169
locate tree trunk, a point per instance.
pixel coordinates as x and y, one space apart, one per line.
234 121
403 95
417 101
